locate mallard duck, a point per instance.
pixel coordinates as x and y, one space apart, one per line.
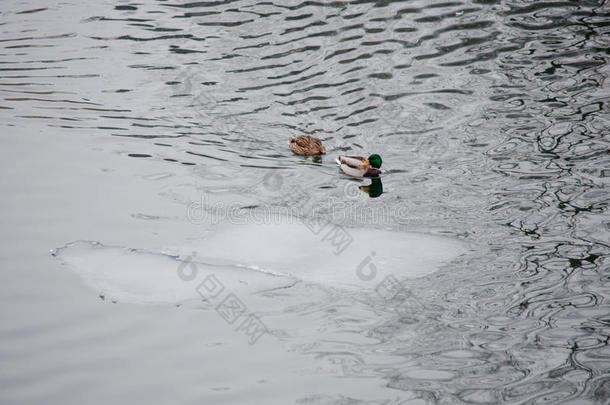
358 166
306 145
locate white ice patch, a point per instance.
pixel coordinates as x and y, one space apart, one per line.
130 275
252 258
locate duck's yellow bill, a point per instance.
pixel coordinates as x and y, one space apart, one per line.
365 163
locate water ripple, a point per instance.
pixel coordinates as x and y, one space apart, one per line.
491 117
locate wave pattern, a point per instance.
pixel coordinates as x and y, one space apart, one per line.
494 116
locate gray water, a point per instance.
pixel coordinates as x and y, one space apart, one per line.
138 125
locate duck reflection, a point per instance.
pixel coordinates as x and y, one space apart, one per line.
375 189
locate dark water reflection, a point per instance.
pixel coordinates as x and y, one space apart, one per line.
492 119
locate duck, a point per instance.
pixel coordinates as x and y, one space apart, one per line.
358 166
306 145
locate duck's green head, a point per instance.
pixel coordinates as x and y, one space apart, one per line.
375 160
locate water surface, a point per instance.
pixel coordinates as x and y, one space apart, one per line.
142 125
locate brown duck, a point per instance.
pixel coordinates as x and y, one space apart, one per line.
306 145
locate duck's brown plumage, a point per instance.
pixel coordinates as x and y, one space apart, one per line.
307 146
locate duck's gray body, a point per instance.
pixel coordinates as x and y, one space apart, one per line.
353 166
